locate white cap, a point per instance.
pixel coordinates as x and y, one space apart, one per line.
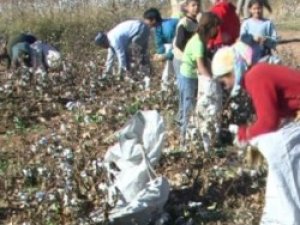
223 62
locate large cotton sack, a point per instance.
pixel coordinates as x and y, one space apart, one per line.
281 149
208 108
142 194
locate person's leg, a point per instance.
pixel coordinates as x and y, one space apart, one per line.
246 9
189 90
239 7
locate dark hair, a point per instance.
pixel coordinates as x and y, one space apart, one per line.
153 14
262 3
207 21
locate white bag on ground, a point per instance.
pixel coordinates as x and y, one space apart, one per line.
282 152
142 194
46 54
209 105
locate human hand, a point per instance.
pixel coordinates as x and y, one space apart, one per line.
159 57
259 39
240 143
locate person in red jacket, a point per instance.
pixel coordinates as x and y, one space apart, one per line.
275 93
274 90
229 29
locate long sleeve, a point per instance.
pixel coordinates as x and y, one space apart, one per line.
272 37
109 60
142 40
122 57
245 36
159 43
182 37
264 96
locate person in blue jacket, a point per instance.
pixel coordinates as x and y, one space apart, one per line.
165 31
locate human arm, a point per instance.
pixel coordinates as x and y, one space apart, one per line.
141 41
120 51
271 40
181 37
109 60
244 34
202 68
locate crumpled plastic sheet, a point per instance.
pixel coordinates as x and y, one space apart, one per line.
209 105
281 149
142 194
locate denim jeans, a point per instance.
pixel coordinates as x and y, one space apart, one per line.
188 88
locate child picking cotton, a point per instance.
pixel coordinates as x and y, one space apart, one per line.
16 50
194 64
186 28
44 57
258 32
118 42
165 30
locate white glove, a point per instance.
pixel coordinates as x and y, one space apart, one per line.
233 128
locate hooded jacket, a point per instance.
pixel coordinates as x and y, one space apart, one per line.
229 29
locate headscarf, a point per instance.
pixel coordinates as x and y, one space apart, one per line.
242 61
236 59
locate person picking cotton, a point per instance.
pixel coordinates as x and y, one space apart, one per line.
118 42
165 30
275 94
194 62
44 57
16 50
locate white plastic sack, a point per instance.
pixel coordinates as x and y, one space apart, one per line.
146 129
146 205
51 56
282 152
209 105
142 194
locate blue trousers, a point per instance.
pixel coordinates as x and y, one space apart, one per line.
188 88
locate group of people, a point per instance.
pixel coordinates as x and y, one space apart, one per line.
209 52
26 50
187 45
212 50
